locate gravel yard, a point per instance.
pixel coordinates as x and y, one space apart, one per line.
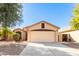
72 44
11 48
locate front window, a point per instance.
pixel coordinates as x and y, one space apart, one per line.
42 25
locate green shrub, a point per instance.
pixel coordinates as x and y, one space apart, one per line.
5 33
16 37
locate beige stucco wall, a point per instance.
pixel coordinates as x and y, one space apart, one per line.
47 26
74 35
60 37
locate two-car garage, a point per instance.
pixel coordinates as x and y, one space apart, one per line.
42 36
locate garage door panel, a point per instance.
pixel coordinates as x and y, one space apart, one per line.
42 36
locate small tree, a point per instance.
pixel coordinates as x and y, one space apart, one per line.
10 15
74 23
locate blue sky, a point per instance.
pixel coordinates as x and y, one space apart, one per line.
58 14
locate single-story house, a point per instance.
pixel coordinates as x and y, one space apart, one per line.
39 32
69 35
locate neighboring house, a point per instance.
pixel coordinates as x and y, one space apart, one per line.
69 36
39 32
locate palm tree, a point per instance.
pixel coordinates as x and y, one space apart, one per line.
5 33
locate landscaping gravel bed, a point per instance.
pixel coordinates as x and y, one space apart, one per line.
11 48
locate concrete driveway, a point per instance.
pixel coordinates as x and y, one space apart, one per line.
49 49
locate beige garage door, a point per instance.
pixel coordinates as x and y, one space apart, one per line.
43 36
